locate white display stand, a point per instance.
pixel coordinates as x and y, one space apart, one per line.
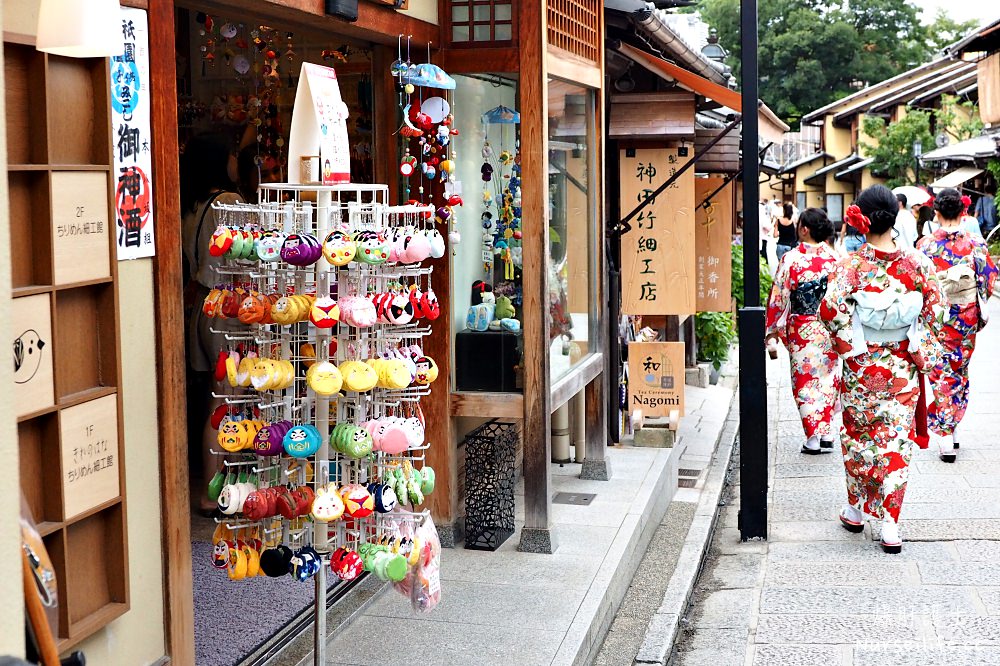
316 210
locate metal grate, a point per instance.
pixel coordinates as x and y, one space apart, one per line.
577 499
574 26
490 451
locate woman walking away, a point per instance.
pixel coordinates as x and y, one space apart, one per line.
967 277
799 286
786 231
883 309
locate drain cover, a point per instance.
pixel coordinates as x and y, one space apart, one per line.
686 483
688 472
579 499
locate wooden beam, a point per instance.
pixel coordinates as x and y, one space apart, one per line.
487 405
171 366
480 61
576 379
536 535
376 23
385 99
570 67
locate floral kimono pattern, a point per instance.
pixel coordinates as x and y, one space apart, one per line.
883 346
799 285
967 277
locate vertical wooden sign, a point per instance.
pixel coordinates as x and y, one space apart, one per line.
658 253
32 346
714 245
656 378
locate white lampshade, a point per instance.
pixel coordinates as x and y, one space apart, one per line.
80 28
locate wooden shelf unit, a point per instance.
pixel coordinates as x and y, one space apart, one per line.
63 252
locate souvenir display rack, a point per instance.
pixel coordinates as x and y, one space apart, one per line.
66 344
312 213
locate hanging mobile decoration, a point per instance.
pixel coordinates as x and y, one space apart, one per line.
501 193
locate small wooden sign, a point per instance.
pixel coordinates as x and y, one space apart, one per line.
658 254
32 346
656 378
80 242
88 441
714 245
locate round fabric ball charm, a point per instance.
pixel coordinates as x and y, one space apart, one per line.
346 564
302 441
324 378
339 248
324 313
358 502
385 497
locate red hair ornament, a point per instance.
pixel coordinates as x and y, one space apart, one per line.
854 217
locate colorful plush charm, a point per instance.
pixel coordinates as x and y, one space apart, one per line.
339 248
358 502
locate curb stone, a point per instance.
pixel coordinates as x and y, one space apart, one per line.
665 624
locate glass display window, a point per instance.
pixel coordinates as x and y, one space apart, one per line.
486 264
573 215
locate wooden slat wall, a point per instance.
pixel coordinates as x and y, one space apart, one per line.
989 89
655 116
723 157
574 26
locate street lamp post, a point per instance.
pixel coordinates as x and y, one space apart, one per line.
918 150
753 381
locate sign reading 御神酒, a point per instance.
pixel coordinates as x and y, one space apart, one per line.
132 140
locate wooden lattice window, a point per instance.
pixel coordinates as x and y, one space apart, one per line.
480 21
574 26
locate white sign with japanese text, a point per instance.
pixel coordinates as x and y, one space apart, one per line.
132 140
319 123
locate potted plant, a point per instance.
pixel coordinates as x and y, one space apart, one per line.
715 332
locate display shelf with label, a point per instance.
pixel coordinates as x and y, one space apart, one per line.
65 333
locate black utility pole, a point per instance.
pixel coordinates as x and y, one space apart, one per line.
753 381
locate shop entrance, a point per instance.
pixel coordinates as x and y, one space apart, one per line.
237 74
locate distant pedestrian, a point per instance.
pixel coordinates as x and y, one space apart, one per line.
968 278
906 224
785 231
799 286
766 227
883 309
986 210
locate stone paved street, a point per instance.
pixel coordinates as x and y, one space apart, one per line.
816 594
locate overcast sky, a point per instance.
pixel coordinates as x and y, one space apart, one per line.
962 10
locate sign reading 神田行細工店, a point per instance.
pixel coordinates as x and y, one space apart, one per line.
658 253
132 140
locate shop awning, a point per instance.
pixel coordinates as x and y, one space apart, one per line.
683 77
854 168
835 167
970 150
956 177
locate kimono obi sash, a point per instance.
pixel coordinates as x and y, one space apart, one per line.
806 297
959 284
886 316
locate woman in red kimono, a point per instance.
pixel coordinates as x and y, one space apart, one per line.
882 308
968 278
799 286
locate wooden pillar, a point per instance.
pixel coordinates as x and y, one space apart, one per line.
177 579
537 535
596 465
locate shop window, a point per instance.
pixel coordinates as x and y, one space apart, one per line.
572 225
835 207
486 265
800 200
479 21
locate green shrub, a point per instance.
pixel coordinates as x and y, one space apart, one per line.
715 332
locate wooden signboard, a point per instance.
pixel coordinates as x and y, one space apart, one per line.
80 226
713 245
32 346
656 378
658 253
89 451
